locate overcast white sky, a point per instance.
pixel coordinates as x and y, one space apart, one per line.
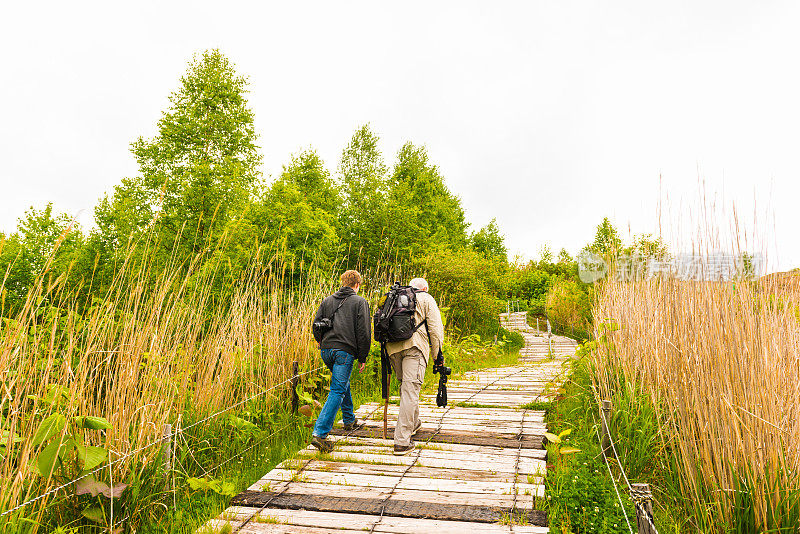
545 115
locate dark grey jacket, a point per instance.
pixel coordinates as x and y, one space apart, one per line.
352 324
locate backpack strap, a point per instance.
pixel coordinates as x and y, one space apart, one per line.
425 320
339 306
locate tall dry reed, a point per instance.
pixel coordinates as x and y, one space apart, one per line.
160 347
720 361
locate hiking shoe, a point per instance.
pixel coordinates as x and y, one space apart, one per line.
416 428
322 444
349 427
401 450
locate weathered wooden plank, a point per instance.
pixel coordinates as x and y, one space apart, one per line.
498 428
407 482
355 522
368 444
487 400
528 441
501 465
370 492
393 507
415 471
455 412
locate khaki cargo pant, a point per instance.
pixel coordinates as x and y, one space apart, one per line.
408 366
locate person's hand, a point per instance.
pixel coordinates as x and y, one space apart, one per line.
362 367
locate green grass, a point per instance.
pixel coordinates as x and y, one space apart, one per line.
477 405
580 493
545 406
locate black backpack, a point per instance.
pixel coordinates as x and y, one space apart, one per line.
394 319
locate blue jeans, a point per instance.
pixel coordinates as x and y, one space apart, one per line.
341 365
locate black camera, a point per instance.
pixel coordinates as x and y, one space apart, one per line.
438 366
444 372
321 327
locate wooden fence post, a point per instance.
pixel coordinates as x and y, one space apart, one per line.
643 499
605 416
295 380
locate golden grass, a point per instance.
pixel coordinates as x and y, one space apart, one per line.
159 348
721 363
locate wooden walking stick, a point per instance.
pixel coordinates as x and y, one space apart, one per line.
385 416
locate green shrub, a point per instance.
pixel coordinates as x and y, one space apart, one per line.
510 341
465 284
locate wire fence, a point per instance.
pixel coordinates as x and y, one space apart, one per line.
160 441
640 496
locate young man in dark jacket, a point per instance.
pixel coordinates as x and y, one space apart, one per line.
348 340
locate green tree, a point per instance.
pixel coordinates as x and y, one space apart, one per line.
429 212
646 245
16 276
607 242
302 233
530 284
489 242
307 172
45 235
545 254
45 243
365 187
199 169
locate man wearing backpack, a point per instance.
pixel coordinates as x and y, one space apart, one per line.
342 329
409 360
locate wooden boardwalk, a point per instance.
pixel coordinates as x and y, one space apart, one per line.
478 466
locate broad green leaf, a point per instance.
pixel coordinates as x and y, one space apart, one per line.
198 483
56 393
4 437
52 455
566 432
241 424
90 457
227 488
49 427
92 423
568 450
552 438
94 513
